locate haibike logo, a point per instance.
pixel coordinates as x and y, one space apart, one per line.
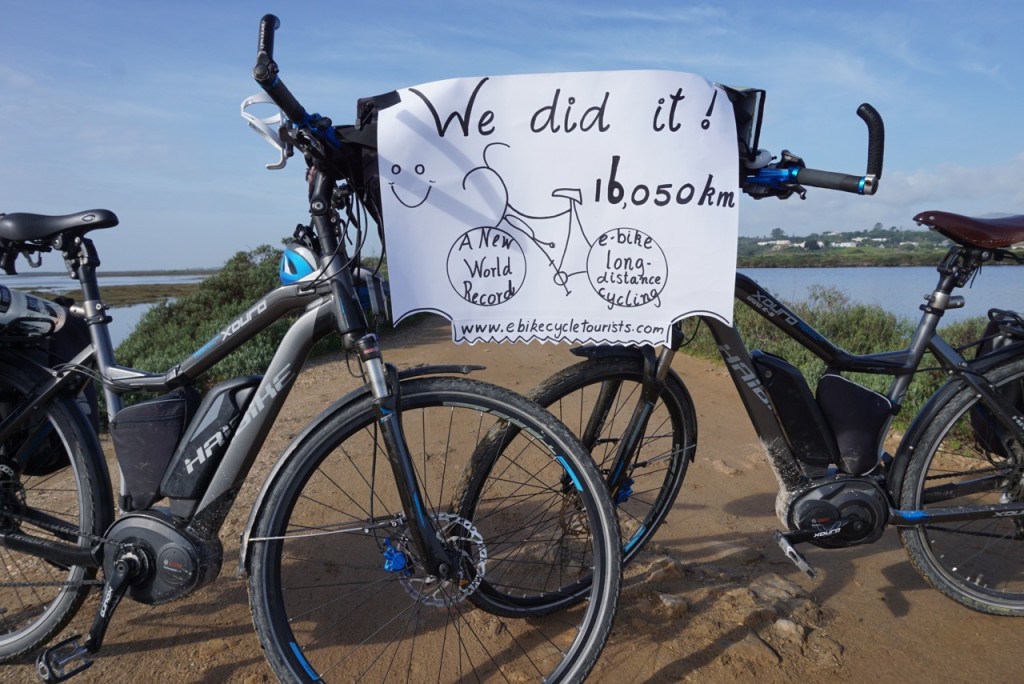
1008 514
748 376
243 320
771 307
259 401
205 450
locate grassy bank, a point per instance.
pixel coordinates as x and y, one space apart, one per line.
128 295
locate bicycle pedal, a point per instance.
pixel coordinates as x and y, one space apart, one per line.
794 555
52 665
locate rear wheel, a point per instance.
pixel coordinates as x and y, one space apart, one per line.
338 590
960 461
51 489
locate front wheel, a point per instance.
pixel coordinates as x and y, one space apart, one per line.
596 399
337 588
960 461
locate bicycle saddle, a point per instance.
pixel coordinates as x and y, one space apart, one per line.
34 227
994 233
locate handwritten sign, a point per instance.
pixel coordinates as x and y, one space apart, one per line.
585 207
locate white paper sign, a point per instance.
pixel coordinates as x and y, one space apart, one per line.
584 207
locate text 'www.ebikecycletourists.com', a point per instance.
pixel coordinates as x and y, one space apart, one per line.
572 327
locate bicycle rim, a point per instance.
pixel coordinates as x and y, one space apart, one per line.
979 563
339 593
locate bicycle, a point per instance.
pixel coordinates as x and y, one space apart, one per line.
372 552
955 486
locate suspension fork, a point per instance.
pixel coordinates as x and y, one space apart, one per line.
387 400
656 368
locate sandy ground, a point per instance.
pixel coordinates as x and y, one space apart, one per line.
714 600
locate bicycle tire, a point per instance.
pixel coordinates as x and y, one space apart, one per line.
38 598
977 563
356 620
666 450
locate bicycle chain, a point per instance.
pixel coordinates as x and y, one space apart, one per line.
59 529
993 469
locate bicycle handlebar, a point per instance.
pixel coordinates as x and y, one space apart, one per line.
789 174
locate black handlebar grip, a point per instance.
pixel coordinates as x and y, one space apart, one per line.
830 180
876 138
265 71
268 24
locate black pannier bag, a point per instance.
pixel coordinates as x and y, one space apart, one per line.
858 417
145 436
1004 328
50 455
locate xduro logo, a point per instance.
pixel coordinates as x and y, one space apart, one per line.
243 320
772 308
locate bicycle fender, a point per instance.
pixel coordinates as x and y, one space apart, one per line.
353 397
929 412
601 351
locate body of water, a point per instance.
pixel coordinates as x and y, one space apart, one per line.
900 290
124 318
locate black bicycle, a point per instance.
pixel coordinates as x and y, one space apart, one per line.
955 486
389 542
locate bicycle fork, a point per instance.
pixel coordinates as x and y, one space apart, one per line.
655 371
383 382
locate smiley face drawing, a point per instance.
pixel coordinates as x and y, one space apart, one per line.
410 184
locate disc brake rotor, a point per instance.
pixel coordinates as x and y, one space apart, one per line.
460 535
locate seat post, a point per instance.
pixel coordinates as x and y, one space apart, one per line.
81 260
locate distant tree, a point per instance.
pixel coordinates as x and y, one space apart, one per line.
778 233
812 245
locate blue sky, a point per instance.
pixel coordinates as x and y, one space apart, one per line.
134 106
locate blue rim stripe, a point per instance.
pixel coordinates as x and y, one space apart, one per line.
302 661
634 539
572 473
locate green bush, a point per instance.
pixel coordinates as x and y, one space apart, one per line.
172 331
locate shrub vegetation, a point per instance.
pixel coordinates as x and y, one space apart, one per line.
172 331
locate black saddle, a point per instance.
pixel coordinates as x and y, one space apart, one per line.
23 227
